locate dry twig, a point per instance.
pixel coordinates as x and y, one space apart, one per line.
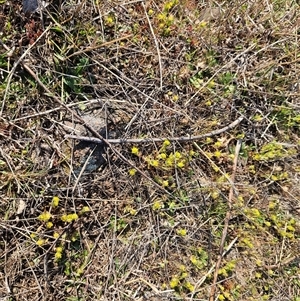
146 140
226 222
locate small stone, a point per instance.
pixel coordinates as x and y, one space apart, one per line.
30 6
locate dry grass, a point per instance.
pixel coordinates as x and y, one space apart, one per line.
153 220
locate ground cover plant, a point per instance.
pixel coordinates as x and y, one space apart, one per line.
193 192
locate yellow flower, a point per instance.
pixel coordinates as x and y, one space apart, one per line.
217 154
64 217
150 12
218 144
132 172
215 194
194 260
69 217
255 212
221 297
73 216
58 255
135 150
162 156
49 225
55 201
157 205
169 162
165 183
59 249
45 216
268 224
166 143
177 155
175 97
56 235
85 209
109 20
180 164
154 163
192 153
189 286
174 282
40 242
181 232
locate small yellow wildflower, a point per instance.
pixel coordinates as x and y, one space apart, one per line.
272 205
291 228
218 144
169 162
202 24
55 201
221 297
268 224
109 20
189 286
69 217
192 153
181 232
174 282
215 194
49 225
56 235
177 155
150 12
217 154
231 156
175 97
59 249
73 216
154 163
85 209
170 19
292 221
40 242
79 272
162 156
193 259
255 212
258 275
165 183
161 17
64 217
33 235
157 205
180 164
135 150
58 256
166 143
183 275
132 171
45 216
